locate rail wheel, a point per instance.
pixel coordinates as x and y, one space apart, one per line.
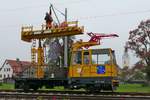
91 89
113 88
35 88
26 87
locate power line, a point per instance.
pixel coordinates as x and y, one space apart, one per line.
99 16
111 15
37 6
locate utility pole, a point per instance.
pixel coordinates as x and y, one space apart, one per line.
66 44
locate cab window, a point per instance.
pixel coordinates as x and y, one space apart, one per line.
76 58
101 57
86 58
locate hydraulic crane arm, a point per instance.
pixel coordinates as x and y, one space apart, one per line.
95 40
80 44
96 37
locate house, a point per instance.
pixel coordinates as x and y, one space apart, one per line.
13 68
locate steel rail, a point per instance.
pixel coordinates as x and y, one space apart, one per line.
71 95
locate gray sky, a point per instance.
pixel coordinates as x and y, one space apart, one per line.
102 16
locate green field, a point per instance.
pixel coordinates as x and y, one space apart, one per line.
133 88
121 88
6 86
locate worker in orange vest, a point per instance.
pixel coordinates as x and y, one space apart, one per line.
48 18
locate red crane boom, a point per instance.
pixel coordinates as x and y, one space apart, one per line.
96 37
95 40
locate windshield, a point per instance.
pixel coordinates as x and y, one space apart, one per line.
101 56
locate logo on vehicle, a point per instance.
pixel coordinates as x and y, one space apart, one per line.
100 69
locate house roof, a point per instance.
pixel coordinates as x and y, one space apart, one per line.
17 66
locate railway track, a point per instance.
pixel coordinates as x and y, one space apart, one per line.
70 95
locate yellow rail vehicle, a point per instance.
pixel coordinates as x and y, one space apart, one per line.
93 69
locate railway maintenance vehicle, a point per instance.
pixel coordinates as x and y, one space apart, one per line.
90 69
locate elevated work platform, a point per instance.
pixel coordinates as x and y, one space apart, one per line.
28 33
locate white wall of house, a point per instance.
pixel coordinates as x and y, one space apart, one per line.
6 71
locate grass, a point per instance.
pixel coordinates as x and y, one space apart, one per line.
6 86
60 88
133 88
121 88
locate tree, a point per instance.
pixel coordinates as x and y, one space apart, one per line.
139 42
124 75
138 71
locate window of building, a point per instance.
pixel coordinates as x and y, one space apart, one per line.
0 75
8 69
4 76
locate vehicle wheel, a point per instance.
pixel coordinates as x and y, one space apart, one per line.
66 87
26 87
35 88
113 88
90 89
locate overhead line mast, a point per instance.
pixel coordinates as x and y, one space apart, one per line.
66 44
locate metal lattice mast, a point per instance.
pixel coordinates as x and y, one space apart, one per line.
33 52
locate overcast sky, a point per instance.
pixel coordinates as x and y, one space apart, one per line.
101 16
